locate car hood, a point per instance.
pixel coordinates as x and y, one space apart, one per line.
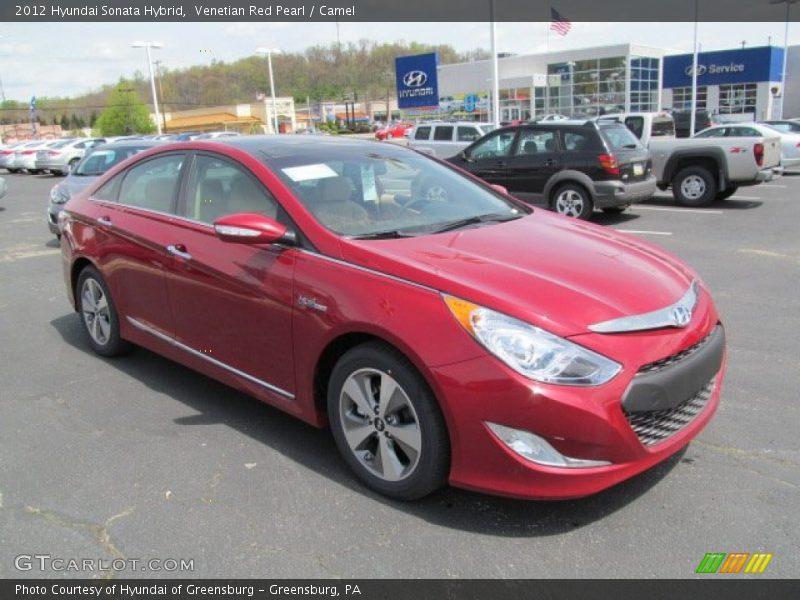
74 184
560 274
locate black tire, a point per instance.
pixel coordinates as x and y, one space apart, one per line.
615 210
113 345
429 470
34 171
572 200
727 193
694 186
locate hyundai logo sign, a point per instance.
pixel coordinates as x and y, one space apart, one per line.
417 84
701 70
715 69
415 79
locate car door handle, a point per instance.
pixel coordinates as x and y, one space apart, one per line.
104 221
550 162
179 250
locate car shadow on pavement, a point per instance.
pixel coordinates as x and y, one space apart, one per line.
730 203
53 243
614 218
313 448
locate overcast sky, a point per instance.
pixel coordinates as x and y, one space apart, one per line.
64 59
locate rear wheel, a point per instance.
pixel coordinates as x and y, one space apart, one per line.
572 200
386 423
694 186
99 314
727 193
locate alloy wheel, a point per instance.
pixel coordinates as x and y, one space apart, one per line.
95 310
693 187
380 424
570 203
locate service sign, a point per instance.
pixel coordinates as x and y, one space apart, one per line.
416 80
747 65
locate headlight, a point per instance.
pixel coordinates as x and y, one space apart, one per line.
530 351
58 195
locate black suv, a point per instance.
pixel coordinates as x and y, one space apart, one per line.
570 166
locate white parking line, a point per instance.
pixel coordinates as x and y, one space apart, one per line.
744 198
644 232
772 185
683 210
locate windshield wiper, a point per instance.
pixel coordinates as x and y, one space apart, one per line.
383 235
476 220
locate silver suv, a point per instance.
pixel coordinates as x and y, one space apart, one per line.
444 139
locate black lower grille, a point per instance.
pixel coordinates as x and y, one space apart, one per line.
652 427
671 360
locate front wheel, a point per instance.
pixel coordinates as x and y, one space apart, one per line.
694 186
99 314
572 200
387 424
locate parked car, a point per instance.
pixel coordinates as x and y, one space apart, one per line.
789 142
683 118
705 168
396 130
212 135
645 125
572 167
7 155
61 157
25 156
408 324
97 161
786 126
447 138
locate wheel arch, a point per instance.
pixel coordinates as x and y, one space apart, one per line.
78 265
564 177
712 159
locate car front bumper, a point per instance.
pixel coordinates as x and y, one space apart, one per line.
618 193
51 216
581 423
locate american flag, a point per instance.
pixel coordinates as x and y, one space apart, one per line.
558 23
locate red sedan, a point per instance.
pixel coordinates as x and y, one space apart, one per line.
444 331
397 130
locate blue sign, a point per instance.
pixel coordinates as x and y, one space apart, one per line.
747 65
470 103
417 84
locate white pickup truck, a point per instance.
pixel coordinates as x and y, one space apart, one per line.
701 170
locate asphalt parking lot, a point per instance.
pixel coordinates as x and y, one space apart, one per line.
141 458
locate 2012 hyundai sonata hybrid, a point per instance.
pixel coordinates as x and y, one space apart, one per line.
445 331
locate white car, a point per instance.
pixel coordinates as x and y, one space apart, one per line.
444 139
25 156
790 142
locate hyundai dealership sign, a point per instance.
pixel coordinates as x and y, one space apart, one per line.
748 65
416 80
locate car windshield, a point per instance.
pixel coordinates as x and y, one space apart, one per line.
371 193
619 137
103 158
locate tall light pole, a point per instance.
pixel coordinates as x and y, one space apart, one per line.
269 52
495 69
785 52
147 46
693 116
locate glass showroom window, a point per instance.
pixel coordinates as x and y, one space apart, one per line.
737 98
682 98
587 87
644 84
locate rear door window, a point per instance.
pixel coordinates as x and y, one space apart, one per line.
467 133
443 133
153 184
536 141
496 144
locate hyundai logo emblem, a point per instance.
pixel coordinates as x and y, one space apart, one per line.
701 70
681 316
415 79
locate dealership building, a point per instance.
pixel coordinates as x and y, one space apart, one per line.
741 84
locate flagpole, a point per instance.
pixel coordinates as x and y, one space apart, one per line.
495 77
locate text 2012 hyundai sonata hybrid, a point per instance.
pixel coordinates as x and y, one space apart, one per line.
445 331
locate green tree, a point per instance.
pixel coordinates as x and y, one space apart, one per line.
125 113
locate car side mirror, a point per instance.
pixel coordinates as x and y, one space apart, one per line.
464 155
252 228
499 188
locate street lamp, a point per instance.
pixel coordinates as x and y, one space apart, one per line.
269 52
147 46
788 3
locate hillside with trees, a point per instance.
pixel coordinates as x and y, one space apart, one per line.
323 72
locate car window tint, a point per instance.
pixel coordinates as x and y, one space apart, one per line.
578 141
218 187
108 191
152 184
467 133
743 132
716 132
497 144
536 141
422 133
443 133
620 137
636 126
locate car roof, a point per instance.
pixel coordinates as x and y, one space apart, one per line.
129 143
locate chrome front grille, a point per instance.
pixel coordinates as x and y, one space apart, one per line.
652 427
677 357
